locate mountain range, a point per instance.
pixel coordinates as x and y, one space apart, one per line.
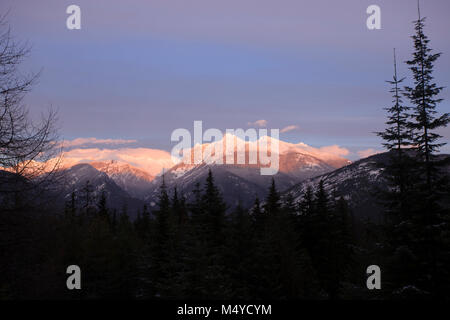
129 187
123 182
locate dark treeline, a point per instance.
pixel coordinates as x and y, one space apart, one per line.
276 250
313 248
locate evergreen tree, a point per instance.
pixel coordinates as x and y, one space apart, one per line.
102 208
179 209
307 203
214 210
273 204
161 249
289 204
162 217
425 120
428 223
266 266
397 137
71 208
256 209
194 258
321 241
424 97
114 221
206 275
239 252
321 201
144 224
257 215
398 198
327 236
342 245
196 207
87 193
416 224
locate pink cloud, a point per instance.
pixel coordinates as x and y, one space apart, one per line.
289 128
367 153
79 142
258 123
334 150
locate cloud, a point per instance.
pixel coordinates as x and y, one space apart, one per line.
289 128
367 153
150 160
80 142
258 123
334 150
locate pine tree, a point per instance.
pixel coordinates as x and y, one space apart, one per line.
178 209
416 226
196 207
161 249
124 259
266 268
397 137
71 208
87 192
306 218
194 258
114 221
424 97
256 209
257 216
325 233
322 240
289 205
162 216
427 223
283 266
145 221
206 275
215 208
307 202
398 198
239 252
342 244
273 204
142 224
102 208
321 200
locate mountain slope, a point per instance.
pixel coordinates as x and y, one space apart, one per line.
76 178
237 184
357 183
133 180
241 183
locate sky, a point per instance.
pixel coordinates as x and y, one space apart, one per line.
138 70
